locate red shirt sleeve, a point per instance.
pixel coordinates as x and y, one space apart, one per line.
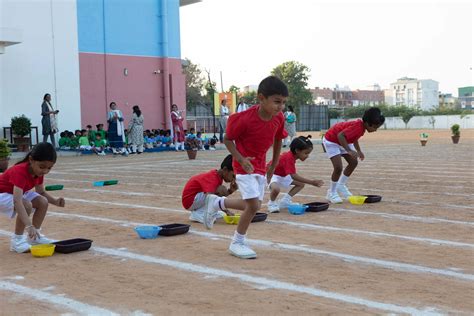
235 126
354 131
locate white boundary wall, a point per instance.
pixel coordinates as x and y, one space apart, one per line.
27 70
416 122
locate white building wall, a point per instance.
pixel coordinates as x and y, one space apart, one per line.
430 92
414 93
40 65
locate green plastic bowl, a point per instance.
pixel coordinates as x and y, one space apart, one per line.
110 182
54 187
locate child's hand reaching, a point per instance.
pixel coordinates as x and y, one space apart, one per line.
32 232
361 155
246 164
317 183
353 154
60 202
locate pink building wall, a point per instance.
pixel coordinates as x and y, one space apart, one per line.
103 80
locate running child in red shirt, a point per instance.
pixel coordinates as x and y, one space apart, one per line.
16 197
342 140
285 174
248 137
210 183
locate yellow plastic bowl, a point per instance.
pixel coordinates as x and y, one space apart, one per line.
232 220
44 250
357 199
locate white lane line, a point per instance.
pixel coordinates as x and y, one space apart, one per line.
372 233
431 220
430 241
55 300
393 265
267 283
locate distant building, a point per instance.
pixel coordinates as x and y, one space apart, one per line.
388 96
250 88
447 101
412 92
367 97
343 97
466 97
324 96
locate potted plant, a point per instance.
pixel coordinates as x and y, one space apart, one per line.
21 126
423 139
191 145
455 130
5 153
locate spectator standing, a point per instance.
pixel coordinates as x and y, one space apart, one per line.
135 129
48 122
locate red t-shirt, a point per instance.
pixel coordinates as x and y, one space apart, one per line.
353 130
286 164
204 182
254 136
19 176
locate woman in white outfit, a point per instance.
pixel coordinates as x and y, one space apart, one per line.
135 130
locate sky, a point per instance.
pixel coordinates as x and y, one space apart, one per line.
348 43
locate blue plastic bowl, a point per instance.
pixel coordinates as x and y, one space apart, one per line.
148 232
297 209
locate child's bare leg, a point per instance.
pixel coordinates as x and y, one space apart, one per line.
40 203
251 208
274 191
235 204
351 164
337 165
19 225
297 187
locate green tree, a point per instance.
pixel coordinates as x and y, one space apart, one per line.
250 97
407 113
195 84
296 76
234 89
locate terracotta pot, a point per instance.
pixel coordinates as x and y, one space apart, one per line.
423 142
455 139
192 154
22 143
4 164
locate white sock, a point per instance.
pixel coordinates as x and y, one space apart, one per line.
238 238
286 196
343 179
219 204
333 187
15 236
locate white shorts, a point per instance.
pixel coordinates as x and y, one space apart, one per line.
7 206
334 149
199 201
251 186
283 182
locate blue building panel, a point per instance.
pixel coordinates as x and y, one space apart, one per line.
129 27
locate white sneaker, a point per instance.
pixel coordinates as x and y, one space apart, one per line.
40 240
210 213
220 214
343 190
19 245
197 216
272 207
284 202
242 251
333 197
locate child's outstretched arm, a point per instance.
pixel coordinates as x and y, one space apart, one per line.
316 183
275 158
58 202
359 151
243 161
22 214
343 141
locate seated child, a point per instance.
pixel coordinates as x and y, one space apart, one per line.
167 141
285 174
64 141
210 183
99 145
74 143
84 143
200 141
191 142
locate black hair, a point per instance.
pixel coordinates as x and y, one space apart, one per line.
136 110
290 108
112 103
41 152
44 98
272 86
62 134
301 143
227 163
373 117
89 126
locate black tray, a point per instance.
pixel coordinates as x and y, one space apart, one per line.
72 245
173 229
373 198
317 206
259 217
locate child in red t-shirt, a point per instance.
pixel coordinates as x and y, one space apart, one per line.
210 183
248 137
342 140
285 174
16 197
